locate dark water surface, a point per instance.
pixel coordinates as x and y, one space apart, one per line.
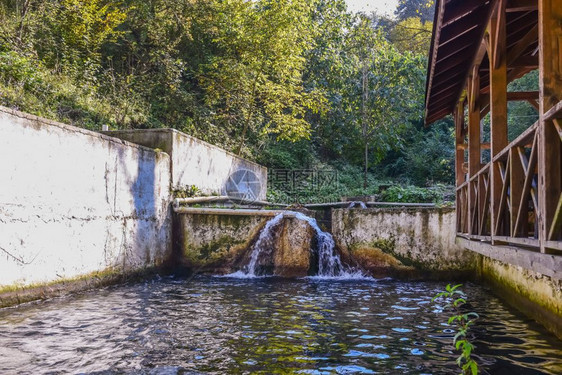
217 325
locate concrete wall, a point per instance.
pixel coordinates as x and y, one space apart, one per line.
531 281
214 243
421 238
535 294
74 202
425 239
198 163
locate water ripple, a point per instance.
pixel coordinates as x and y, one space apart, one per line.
267 325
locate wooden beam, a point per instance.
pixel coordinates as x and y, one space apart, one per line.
556 221
485 203
554 112
523 203
525 62
521 5
459 155
463 25
498 117
550 87
534 103
523 43
522 95
474 82
433 51
474 159
463 8
504 174
499 45
456 46
517 73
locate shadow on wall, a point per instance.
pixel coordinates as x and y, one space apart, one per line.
145 230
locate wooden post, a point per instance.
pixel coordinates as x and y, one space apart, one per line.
459 140
459 159
498 107
516 182
474 164
550 93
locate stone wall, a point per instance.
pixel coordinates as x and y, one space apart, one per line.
73 202
198 163
403 240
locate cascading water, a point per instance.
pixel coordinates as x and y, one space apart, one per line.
329 262
357 204
263 244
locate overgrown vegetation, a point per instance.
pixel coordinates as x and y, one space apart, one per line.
463 320
290 84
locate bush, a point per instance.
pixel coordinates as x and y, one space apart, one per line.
412 194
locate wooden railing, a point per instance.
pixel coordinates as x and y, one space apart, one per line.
513 217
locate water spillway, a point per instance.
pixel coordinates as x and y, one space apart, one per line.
324 259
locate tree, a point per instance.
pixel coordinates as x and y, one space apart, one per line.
421 9
386 85
254 82
411 34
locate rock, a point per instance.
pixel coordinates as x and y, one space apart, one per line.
376 262
293 253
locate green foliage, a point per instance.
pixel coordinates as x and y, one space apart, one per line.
412 34
188 192
291 84
426 157
463 321
414 194
422 9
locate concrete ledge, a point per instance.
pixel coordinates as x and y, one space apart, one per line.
14 296
230 211
545 264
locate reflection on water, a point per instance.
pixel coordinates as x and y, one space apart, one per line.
218 325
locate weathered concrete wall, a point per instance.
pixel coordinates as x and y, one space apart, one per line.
198 163
214 243
535 294
531 281
73 202
395 239
223 243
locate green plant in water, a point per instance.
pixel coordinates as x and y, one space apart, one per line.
463 321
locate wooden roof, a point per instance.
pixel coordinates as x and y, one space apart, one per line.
458 31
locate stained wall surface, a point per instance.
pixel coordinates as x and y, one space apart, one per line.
73 202
197 163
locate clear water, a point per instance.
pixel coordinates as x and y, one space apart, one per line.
234 326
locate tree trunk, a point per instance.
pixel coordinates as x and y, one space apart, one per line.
366 165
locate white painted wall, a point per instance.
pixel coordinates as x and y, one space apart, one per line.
195 162
200 163
74 201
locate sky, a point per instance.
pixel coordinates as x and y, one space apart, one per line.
379 6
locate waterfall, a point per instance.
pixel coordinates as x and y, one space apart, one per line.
329 262
355 204
264 244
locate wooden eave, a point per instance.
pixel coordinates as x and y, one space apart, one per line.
458 33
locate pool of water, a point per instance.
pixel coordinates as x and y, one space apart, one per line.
221 325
